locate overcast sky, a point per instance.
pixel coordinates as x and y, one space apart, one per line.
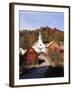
32 20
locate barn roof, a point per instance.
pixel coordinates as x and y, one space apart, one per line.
30 50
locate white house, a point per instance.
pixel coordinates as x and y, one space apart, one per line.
21 51
39 46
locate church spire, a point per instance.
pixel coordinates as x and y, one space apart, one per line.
39 46
40 37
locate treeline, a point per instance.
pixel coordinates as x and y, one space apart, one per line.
28 37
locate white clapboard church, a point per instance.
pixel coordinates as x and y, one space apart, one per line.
39 46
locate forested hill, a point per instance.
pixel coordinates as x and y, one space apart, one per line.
28 37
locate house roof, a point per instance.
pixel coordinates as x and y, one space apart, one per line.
49 44
21 51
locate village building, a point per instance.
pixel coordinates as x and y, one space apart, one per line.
61 49
62 52
52 47
39 46
22 51
30 57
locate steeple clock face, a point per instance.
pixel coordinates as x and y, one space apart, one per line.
40 49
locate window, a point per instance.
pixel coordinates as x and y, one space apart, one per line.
61 51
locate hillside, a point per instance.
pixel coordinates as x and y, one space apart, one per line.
28 37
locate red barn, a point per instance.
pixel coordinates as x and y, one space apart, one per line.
30 57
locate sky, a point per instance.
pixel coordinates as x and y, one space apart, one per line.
35 19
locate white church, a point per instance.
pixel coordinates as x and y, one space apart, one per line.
39 46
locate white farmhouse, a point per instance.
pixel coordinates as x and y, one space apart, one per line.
21 51
39 46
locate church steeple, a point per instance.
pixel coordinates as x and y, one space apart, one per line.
39 45
40 37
